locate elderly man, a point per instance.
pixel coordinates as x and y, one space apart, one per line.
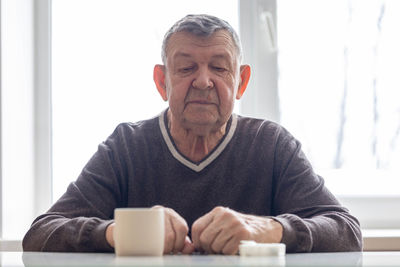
220 178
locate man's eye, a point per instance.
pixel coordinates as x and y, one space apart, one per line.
219 69
186 69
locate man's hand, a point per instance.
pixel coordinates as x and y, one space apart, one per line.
222 229
110 234
176 233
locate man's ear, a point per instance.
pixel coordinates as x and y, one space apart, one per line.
159 80
245 72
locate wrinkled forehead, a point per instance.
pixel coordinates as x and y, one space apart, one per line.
218 43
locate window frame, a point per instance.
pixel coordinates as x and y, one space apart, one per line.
262 57
42 107
1 128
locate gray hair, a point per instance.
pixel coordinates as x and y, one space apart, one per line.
202 26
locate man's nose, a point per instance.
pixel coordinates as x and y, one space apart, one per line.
203 79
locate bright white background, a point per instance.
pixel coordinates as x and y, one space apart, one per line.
339 90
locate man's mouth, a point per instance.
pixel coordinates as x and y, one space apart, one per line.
201 102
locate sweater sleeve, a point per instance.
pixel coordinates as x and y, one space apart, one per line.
78 220
312 218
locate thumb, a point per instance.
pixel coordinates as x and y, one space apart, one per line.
188 247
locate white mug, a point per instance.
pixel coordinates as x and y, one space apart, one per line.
139 232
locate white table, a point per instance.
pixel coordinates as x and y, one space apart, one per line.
104 259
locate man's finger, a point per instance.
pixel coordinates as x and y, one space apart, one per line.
201 224
209 235
214 237
220 241
188 247
231 247
198 227
169 241
181 230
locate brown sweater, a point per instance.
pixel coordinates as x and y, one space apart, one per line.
257 168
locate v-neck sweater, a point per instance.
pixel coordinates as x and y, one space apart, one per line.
257 168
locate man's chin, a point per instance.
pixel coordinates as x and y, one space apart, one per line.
203 126
201 122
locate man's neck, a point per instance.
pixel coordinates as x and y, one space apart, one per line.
191 142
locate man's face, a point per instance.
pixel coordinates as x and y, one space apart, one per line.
201 78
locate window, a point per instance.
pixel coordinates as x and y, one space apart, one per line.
329 76
339 90
17 127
